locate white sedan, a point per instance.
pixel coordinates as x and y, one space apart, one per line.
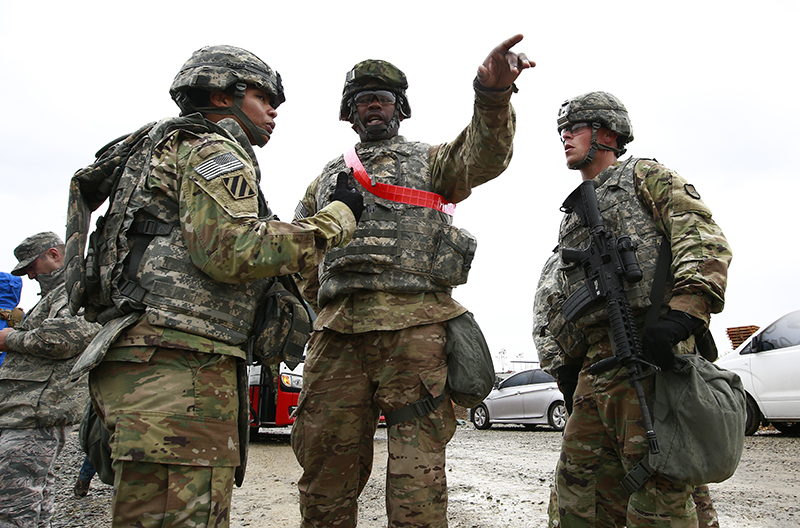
529 398
769 365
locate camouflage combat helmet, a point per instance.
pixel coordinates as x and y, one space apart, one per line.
219 67
600 109
374 74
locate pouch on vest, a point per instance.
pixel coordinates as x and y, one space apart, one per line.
95 442
470 369
699 418
453 256
281 328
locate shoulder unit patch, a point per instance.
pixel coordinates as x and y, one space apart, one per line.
238 187
219 165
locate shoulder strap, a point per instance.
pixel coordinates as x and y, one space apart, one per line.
659 282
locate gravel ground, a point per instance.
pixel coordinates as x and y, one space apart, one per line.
497 478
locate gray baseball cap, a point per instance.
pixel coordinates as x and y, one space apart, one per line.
32 247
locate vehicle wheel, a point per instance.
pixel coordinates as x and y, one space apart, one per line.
788 428
557 416
480 417
753 420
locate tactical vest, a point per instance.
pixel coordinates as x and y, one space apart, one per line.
137 258
396 247
623 214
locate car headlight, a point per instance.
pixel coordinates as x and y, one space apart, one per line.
291 381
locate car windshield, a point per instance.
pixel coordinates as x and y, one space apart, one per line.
785 332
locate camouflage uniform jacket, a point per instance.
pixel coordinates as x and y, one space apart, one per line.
479 154
224 235
35 386
650 203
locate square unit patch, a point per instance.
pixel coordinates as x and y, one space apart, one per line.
238 187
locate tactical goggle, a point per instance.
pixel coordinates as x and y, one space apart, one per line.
573 129
383 97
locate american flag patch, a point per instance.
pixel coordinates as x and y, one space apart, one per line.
222 164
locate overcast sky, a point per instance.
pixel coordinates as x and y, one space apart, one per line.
711 88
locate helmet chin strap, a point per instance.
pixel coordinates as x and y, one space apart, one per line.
594 147
376 132
256 133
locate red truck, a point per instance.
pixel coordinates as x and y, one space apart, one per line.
273 395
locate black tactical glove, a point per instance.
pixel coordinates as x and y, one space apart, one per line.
567 378
348 196
658 340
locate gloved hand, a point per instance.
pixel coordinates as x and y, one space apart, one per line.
348 196
567 378
658 340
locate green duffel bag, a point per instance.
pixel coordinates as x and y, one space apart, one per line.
699 416
470 370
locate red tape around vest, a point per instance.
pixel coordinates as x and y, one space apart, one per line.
396 193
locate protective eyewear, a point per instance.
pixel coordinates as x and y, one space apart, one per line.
573 129
383 97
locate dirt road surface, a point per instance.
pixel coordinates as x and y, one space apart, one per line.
498 478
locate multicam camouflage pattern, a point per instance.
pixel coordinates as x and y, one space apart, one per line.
35 386
217 68
342 397
603 440
370 75
384 350
169 382
27 475
706 513
605 405
171 413
597 107
397 247
225 252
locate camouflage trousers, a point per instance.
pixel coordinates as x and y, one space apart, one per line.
27 459
603 440
704 506
347 380
174 441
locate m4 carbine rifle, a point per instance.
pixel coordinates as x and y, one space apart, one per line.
608 262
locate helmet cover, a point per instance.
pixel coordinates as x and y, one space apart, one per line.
374 75
218 67
597 107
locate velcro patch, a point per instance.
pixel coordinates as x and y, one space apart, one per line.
222 164
238 187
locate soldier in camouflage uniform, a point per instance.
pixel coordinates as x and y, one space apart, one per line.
555 362
38 402
167 386
384 300
604 437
